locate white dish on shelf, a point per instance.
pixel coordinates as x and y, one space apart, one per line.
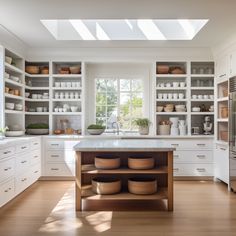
9 106
39 109
19 107
8 60
196 109
37 131
74 108
15 133
27 94
6 75
14 78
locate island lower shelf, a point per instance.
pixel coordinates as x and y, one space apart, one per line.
86 199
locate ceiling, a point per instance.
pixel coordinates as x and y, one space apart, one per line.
22 18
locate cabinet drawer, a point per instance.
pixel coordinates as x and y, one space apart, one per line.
7 152
193 169
60 170
22 181
35 157
191 144
7 168
7 192
55 145
66 156
22 147
35 172
193 156
22 163
35 144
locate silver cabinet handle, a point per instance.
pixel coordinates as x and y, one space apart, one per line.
6 152
176 156
6 191
36 156
36 143
23 162
176 169
36 172
223 149
54 144
222 75
201 169
54 155
24 147
175 144
54 169
201 144
8 168
201 156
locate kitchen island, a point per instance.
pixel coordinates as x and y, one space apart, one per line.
162 172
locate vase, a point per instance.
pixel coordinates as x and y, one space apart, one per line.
144 130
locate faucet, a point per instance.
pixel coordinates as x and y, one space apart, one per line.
117 127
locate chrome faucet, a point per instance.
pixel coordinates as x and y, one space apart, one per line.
117 127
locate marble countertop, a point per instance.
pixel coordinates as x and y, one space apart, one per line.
122 145
11 140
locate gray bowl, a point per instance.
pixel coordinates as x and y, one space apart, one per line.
37 131
95 131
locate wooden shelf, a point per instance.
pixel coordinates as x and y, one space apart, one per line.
88 194
91 169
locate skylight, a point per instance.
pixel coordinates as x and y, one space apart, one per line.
141 29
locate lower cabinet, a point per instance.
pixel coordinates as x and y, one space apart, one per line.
59 157
221 156
193 157
20 167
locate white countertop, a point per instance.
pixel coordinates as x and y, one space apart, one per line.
11 140
123 145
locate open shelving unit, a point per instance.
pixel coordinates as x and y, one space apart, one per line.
198 91
86 199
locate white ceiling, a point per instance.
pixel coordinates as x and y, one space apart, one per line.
22 17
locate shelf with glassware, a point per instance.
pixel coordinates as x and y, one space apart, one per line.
171 98
222 106
67 91
13 91
202 98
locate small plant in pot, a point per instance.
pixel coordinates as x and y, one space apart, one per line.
2 132
143 125
96 129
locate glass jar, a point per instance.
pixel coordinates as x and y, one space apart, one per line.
64 124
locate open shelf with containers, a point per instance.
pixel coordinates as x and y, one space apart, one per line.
67 84
13 91
222 106
171 94
202 96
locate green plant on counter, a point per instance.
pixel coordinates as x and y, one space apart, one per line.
142 122
38 126
3 130
96 126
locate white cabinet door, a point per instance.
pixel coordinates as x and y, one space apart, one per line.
221 157
222 67
7 168
233 63
7 191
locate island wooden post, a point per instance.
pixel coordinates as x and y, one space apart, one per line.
170 181
78 181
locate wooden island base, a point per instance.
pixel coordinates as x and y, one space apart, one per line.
86 199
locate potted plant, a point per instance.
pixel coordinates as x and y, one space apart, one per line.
96 129
37 129
143 125
2 132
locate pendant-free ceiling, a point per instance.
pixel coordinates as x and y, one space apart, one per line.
146 29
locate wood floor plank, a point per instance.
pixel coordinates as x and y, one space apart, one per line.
48 208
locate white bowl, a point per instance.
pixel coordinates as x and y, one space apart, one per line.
14 133
10 106
39 109
37 131
95 131
6 75
196 109
8 59
27 94
19 107
35 96
74 109
14 78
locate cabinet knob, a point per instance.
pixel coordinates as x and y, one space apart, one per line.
201 156
201 144
54 169
175 144
201 169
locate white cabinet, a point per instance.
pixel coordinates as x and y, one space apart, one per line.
222 67
221 157
20 166
59 157
193 157
233 63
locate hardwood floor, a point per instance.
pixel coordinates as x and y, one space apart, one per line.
47 208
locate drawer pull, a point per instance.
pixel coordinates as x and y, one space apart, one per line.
54 144
201 169
54 155
201 156
36 143
176 156
201 144
175 144
36 171
223 149
176 169
24 147
6 191
8 168
23 162
22 180
7 152
36 156
54 169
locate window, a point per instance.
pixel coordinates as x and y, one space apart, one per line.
119 100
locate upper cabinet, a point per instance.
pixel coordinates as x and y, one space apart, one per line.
232 70
222 65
